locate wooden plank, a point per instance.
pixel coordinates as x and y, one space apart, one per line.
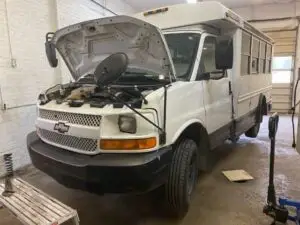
52 200
33 207
36 206
19 209
237 175
28 211
47 199
37 199
19 214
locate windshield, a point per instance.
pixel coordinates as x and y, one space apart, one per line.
183 48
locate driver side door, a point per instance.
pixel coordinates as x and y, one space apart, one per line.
216 93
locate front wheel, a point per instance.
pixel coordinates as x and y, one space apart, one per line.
183 177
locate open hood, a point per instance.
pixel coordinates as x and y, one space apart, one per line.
84 45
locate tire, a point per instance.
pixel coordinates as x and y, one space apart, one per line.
253 131
183 177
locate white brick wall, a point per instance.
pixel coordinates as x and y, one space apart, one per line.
23 25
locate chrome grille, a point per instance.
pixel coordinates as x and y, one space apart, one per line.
75 118
78 143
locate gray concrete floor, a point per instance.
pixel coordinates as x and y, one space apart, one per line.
216 200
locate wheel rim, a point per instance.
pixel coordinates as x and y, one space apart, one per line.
192 175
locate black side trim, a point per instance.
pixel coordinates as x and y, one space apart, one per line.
235 127
219 136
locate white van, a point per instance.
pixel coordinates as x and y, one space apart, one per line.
152 95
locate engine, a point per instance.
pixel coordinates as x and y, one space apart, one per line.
75 95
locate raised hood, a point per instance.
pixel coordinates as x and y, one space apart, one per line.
84 45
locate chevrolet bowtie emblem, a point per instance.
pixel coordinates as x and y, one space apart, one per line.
61 127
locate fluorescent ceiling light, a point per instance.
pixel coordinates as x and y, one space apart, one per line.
191 1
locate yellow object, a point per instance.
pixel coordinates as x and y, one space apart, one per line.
127 144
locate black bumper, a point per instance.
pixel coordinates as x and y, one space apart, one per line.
102 173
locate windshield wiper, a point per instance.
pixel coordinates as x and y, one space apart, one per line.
143 75
139 93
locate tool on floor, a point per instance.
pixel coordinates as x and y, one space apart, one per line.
8 189
29 204
279 212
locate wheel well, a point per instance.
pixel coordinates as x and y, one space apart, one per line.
198 133
264 106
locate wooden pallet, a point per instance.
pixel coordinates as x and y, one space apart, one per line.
33 207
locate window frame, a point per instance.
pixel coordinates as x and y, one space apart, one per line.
245 54
202 42
193 68
256 58
269 68
260 57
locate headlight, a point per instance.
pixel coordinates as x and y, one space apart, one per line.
127 124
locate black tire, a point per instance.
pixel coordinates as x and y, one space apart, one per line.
183 177
253 131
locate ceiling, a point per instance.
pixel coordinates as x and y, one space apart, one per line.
142 5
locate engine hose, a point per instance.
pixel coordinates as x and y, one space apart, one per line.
293 112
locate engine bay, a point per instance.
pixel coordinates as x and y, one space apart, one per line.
75 95
106 85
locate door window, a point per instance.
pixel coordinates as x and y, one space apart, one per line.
183 48
207 61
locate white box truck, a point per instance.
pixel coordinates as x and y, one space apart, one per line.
152 95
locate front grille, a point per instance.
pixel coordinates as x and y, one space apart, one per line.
75 118
78 143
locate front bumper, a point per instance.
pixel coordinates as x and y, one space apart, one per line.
102 173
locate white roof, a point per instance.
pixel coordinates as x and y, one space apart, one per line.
186 14
208 12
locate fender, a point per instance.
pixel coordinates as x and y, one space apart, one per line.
183 127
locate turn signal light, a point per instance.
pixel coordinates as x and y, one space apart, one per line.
127 144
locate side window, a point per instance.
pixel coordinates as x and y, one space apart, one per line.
246 53
255 55
207 61
269 58
262 57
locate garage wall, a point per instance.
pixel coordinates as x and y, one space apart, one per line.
280 22
270 11
24 71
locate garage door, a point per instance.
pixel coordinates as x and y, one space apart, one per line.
284 34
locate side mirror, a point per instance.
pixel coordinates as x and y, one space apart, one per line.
217 75
224 53
50 50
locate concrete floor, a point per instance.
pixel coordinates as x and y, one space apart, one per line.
216 200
